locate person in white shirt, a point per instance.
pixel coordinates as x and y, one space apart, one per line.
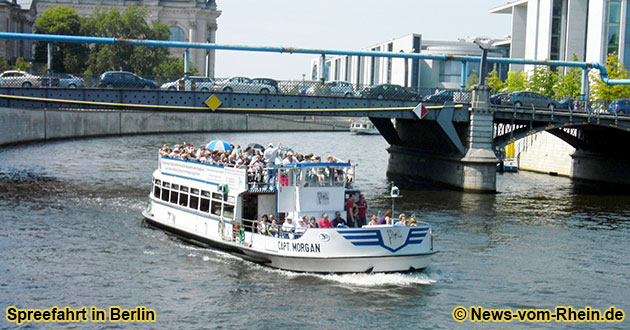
289 159
270 153
301 227
288 227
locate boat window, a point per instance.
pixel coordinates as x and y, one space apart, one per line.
156 191
166 184
194 202
194 191
165 194
157 182
228 211
216 208
174 196
205 193
217 196
175 186
204 206
183 188
183 200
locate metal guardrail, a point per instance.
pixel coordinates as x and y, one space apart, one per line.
127 80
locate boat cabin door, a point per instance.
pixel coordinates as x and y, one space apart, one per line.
286 189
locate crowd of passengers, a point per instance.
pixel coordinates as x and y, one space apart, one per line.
254 159
356 212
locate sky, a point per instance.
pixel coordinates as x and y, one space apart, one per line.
340 24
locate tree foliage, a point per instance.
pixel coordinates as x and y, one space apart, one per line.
67 57
130 24
569 84
22 65
472 80
516 81
173 67
542 80
604 92
496 84
4 66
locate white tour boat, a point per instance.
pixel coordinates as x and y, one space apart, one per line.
212 205
363 127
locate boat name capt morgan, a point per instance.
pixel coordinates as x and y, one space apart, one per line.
299 247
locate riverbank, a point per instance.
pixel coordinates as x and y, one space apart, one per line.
32 125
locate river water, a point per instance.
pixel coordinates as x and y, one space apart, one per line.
71 233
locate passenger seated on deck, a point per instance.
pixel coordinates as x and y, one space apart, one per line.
288 228
324 222
402 221
312 223
261 227
338 221
301 227
272 230
412 222
382 220
373 221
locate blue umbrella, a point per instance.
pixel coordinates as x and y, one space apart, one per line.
218 145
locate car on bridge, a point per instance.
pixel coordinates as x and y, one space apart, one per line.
244 85
62 80
267 81
124 79
195 83
525 99
620 106
389 91
330 88
439 97
16 78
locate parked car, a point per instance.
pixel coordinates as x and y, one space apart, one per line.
497 98
331 88
389 91
528 99
62 80
15 78
267 81
192 83
620 106
124 79
243 85
439 97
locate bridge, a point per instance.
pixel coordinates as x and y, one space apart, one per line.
454 144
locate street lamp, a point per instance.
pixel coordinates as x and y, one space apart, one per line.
484 43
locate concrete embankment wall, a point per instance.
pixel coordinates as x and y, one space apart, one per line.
544 153
28 125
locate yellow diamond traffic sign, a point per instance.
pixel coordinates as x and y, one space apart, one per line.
213 102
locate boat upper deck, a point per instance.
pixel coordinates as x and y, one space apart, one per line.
261 178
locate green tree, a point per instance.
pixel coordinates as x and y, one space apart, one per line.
568 85
4 66
130 24
516 81
22 65
172 67
496 84
67 57
472 80
604 92
542 80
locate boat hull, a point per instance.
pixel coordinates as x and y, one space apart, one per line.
260 249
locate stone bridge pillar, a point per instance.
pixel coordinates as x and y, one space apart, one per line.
479 163
458 155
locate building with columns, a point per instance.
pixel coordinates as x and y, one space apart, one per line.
17 16
559 29
188 20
